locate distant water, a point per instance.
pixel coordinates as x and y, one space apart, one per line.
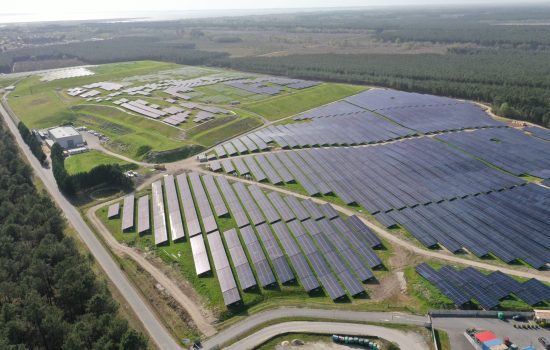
9 18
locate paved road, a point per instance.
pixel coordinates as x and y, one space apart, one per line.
225 336
405 340
154 327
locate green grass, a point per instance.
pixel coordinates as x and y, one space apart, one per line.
287 105
244 123
442 339
85 162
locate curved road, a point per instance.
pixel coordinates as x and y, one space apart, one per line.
141 308
405 340
251 322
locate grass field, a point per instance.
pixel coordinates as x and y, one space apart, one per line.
211 136
84 162
287 105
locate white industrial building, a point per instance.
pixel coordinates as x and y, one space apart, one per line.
66 136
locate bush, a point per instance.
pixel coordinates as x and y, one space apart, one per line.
33 143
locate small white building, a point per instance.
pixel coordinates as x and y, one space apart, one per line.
66 136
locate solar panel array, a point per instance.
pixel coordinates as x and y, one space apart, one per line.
511 225
461 286
174 214
230 291
237 211
200 255
539 132
257 257
275 254
392 176
508 149
159 218
424 113
355 129
128 212
249 204
243 145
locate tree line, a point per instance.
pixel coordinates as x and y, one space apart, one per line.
111 174
49 295
33 143
119 49
517 81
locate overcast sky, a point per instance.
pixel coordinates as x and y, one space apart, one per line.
26 6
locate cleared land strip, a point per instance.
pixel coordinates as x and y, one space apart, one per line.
202 321
256 320
405 340
541 275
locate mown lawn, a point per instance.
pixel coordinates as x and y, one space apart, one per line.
287 105
84 162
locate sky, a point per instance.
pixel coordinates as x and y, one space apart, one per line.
57 6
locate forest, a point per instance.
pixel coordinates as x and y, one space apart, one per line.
49 295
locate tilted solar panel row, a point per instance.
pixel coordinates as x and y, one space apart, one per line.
258 174
159 219
249 204
215 196
265 205
271 174
240 261
191 219
275 254
281 206
235 206
144 222
128 212
257 257
228 286
174 215
207 216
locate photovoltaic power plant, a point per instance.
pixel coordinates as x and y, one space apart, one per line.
144 222
224 274
191 219
174 215
469 284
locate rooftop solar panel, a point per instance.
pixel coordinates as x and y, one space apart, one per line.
128 212
144 223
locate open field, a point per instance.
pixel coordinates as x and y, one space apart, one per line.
284 106
85 162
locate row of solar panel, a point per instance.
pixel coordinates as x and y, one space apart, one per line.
245 144
381 178
509 149
352 239
462 286
511 225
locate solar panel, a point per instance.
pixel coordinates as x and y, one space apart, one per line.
250 206
128 212
275 254
271 174
208 220
159 219
230 149
215 196
280 168
265 205
328 211
281 206
113 210
191 219
364 251
215 165
313 210
200 256
358 226
305 275
241 167
226 280
297 208
258 174
257 257
237 210
144 223
174 214
227 166
240 261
